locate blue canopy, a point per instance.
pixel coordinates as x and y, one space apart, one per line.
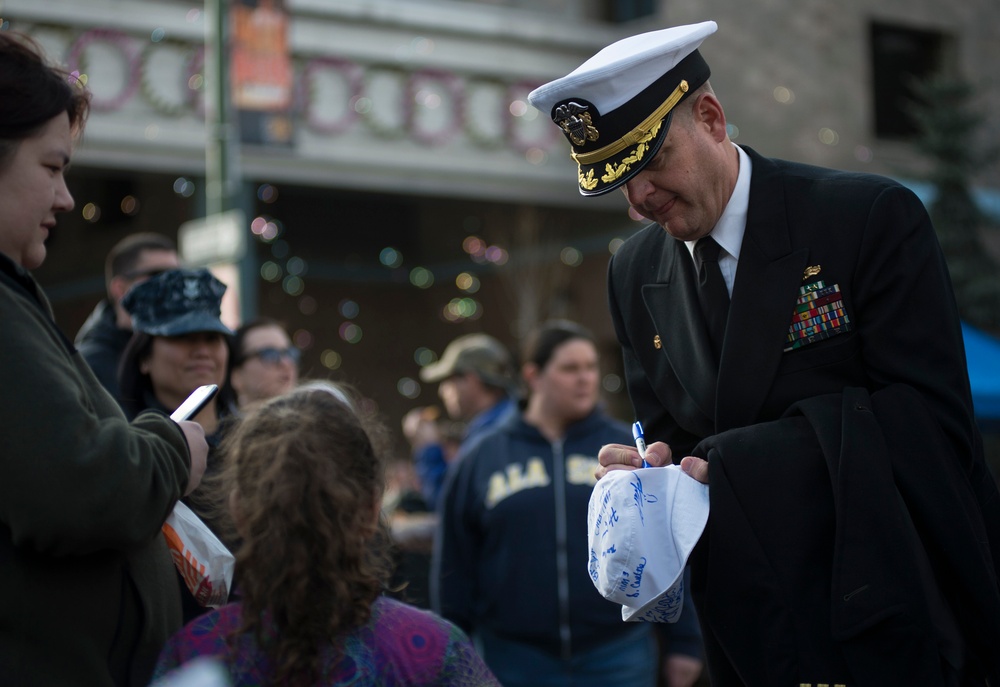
982 352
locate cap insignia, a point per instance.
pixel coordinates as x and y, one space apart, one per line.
587 182
191 289
613 173
575 120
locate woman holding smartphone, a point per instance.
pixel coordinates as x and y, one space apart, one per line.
179 343
87 591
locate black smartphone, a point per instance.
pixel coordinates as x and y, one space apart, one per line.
194 403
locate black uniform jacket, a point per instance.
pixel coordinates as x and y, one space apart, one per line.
868 236
848 530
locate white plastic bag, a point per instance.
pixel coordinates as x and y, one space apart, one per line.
203 561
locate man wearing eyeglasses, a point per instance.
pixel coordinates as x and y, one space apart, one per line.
103 337
265 364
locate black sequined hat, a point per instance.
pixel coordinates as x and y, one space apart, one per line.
615 108
177 302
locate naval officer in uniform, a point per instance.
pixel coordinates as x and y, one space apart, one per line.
807 314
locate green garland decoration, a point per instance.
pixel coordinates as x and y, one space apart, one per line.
146 88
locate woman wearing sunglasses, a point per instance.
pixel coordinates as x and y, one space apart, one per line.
265 363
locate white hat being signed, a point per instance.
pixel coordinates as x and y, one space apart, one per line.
642 526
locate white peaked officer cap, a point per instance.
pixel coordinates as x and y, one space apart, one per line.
641 527
615 108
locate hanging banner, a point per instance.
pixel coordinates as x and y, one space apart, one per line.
261 71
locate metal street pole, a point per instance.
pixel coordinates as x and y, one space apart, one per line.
222 177
224 187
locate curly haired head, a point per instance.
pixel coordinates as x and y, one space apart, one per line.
305 480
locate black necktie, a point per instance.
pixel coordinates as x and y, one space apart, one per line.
712 293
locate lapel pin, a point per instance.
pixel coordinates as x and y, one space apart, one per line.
811 271
657 344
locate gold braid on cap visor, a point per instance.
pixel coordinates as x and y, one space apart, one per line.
640 135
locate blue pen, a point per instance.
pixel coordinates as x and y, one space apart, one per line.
640 442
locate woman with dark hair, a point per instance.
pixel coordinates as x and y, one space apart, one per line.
178 344
87 586
304 475
265 363
509 566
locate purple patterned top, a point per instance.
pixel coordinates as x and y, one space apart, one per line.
399 645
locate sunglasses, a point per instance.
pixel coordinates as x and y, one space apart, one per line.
274 356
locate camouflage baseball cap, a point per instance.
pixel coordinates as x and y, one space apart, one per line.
177 302
478 353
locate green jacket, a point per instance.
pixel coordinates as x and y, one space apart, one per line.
88 593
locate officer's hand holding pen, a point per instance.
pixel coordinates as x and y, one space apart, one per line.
623 457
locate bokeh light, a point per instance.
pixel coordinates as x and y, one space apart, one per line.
467 282
130 205
496 255
390 257
271 271
460 309
330 359
271 230
267 193
614 245
408 387
183 187
91 212
268 229
296 266
421 277
571 256
428 99
308 305
473 245
349 308
829 136
424 356
303 339
535 156
783 95
518 108
350 332
612 383
293 285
